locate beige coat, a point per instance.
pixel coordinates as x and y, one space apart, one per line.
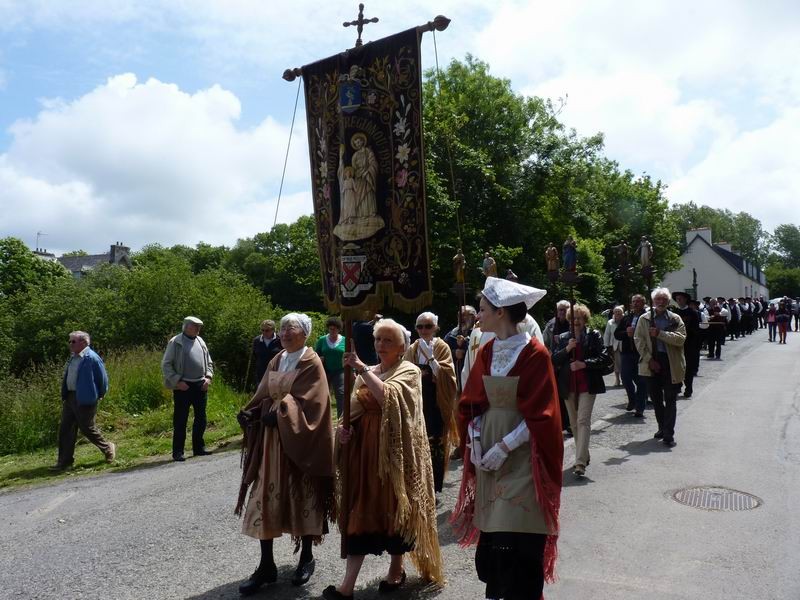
673 339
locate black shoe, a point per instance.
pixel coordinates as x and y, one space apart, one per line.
260 577
658 434
638 414
630 406
202 452
178 457
687 394
303 572
58 467
331 593
384 587
669 442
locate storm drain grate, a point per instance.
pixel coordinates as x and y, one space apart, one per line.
716 498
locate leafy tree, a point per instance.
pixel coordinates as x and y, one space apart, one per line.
786 242
783 281
76 253
20 268
283 263
522 180
206 256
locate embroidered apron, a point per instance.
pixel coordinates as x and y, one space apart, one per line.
506 498
289 506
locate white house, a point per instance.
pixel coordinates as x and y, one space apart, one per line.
720 271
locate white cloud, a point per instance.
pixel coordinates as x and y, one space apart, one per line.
148 162
755 172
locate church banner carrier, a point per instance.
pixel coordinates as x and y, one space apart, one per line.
364 116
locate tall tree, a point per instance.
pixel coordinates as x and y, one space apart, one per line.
21 269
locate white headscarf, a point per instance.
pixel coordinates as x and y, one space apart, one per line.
303 320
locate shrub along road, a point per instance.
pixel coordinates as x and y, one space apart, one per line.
169 531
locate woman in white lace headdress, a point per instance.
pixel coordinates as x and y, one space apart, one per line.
510 421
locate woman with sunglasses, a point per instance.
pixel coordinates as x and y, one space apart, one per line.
509 418
433 357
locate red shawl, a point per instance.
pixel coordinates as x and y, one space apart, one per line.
537 399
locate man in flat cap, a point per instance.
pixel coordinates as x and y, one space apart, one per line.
187 370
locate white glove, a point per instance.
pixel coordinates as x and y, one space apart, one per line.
474 441
494 458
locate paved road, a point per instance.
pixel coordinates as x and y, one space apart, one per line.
168 531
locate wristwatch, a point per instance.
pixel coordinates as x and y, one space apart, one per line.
364 370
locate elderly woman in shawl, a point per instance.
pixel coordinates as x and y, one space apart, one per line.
433 357
511 487
288 455
389 503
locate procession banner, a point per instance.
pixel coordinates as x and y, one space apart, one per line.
364 116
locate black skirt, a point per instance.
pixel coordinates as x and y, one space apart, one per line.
376 543
511 564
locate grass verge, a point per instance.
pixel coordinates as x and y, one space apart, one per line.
136 415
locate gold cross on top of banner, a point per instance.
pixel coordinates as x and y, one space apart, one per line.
359 23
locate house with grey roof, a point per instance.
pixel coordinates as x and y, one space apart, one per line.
79 265
719 269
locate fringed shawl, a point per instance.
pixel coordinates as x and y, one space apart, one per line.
537 400
405 464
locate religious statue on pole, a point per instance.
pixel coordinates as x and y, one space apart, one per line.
489 268
645 252
551 258
569 254
459 266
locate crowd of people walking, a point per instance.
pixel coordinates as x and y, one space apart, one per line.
499 390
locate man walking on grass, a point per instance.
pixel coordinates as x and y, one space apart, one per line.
83 385
187 370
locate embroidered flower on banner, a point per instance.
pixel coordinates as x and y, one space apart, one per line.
401 178
402 154
400 126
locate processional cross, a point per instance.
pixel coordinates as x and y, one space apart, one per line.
359 23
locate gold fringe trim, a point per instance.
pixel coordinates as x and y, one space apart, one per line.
383 296
404 462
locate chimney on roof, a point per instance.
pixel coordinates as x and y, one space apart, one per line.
703 232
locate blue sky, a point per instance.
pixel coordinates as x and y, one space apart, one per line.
147 121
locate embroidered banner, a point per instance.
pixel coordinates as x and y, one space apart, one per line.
364 115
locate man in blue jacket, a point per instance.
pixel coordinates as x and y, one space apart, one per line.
83 385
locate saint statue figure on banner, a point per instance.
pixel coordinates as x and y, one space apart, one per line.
358 209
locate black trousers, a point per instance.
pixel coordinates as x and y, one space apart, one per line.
195 398
715 342
663 394
691 351
511 564
434 425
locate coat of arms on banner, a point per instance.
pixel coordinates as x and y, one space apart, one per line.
353 277
364 114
